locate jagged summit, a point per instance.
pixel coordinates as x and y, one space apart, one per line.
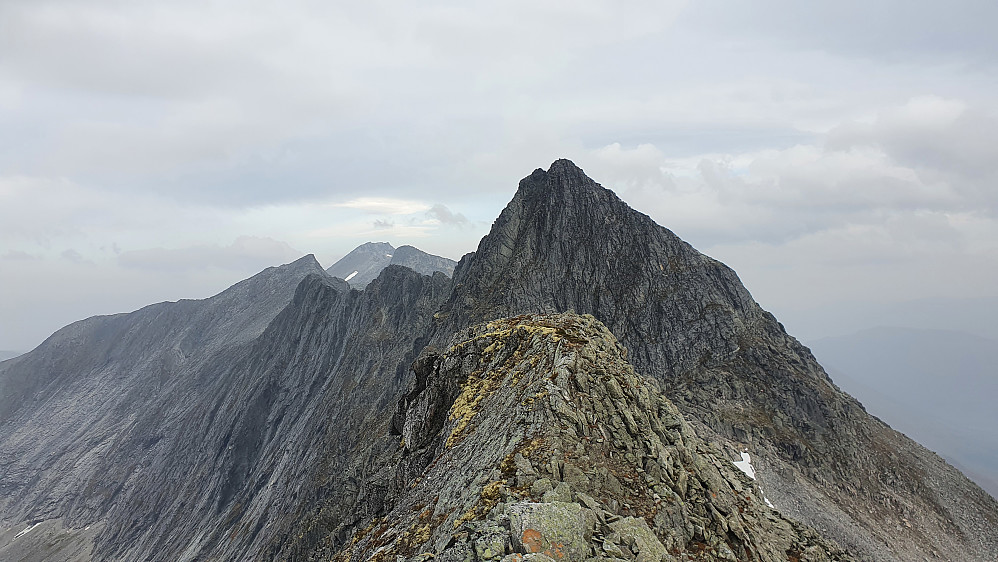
564 243
563 174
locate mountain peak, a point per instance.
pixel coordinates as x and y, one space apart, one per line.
564 167
563 176
365 262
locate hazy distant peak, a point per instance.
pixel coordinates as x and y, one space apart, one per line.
365 262
308 260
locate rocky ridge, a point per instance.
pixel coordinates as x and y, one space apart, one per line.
565 243
533 437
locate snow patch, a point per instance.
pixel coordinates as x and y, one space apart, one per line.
388 255
351 276
745 465
25 531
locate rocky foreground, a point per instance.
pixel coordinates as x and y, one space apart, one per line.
533 438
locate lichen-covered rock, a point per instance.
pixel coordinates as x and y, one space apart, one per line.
537 456
559 530
635 534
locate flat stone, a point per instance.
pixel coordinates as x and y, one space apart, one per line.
560 530
635 533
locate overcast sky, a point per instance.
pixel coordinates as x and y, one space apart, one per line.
841 155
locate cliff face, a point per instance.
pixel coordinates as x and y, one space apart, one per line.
281 420
215 457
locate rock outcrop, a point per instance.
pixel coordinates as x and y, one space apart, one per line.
533 436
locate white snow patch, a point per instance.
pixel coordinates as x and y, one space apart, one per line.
25 531
388 255
351 276
745 465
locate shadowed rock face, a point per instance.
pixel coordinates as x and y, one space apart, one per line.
281 421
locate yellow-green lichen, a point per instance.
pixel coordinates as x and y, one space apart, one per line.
481 384
489 497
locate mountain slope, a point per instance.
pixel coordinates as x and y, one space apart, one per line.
80 414
223 460
533 435
564 243
365 262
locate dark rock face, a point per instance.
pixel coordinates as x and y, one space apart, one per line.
281 420
363 264
566 244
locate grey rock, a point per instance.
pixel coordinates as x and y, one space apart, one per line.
635 534
541 486
558 529
505 367
561 493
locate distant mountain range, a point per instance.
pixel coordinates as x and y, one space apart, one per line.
6 354
927 384
363 264
585 386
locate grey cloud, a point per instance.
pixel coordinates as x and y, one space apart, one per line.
896 30
152 95
247 253
878 175
446 216
73 256
17 255
215 114
943 140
